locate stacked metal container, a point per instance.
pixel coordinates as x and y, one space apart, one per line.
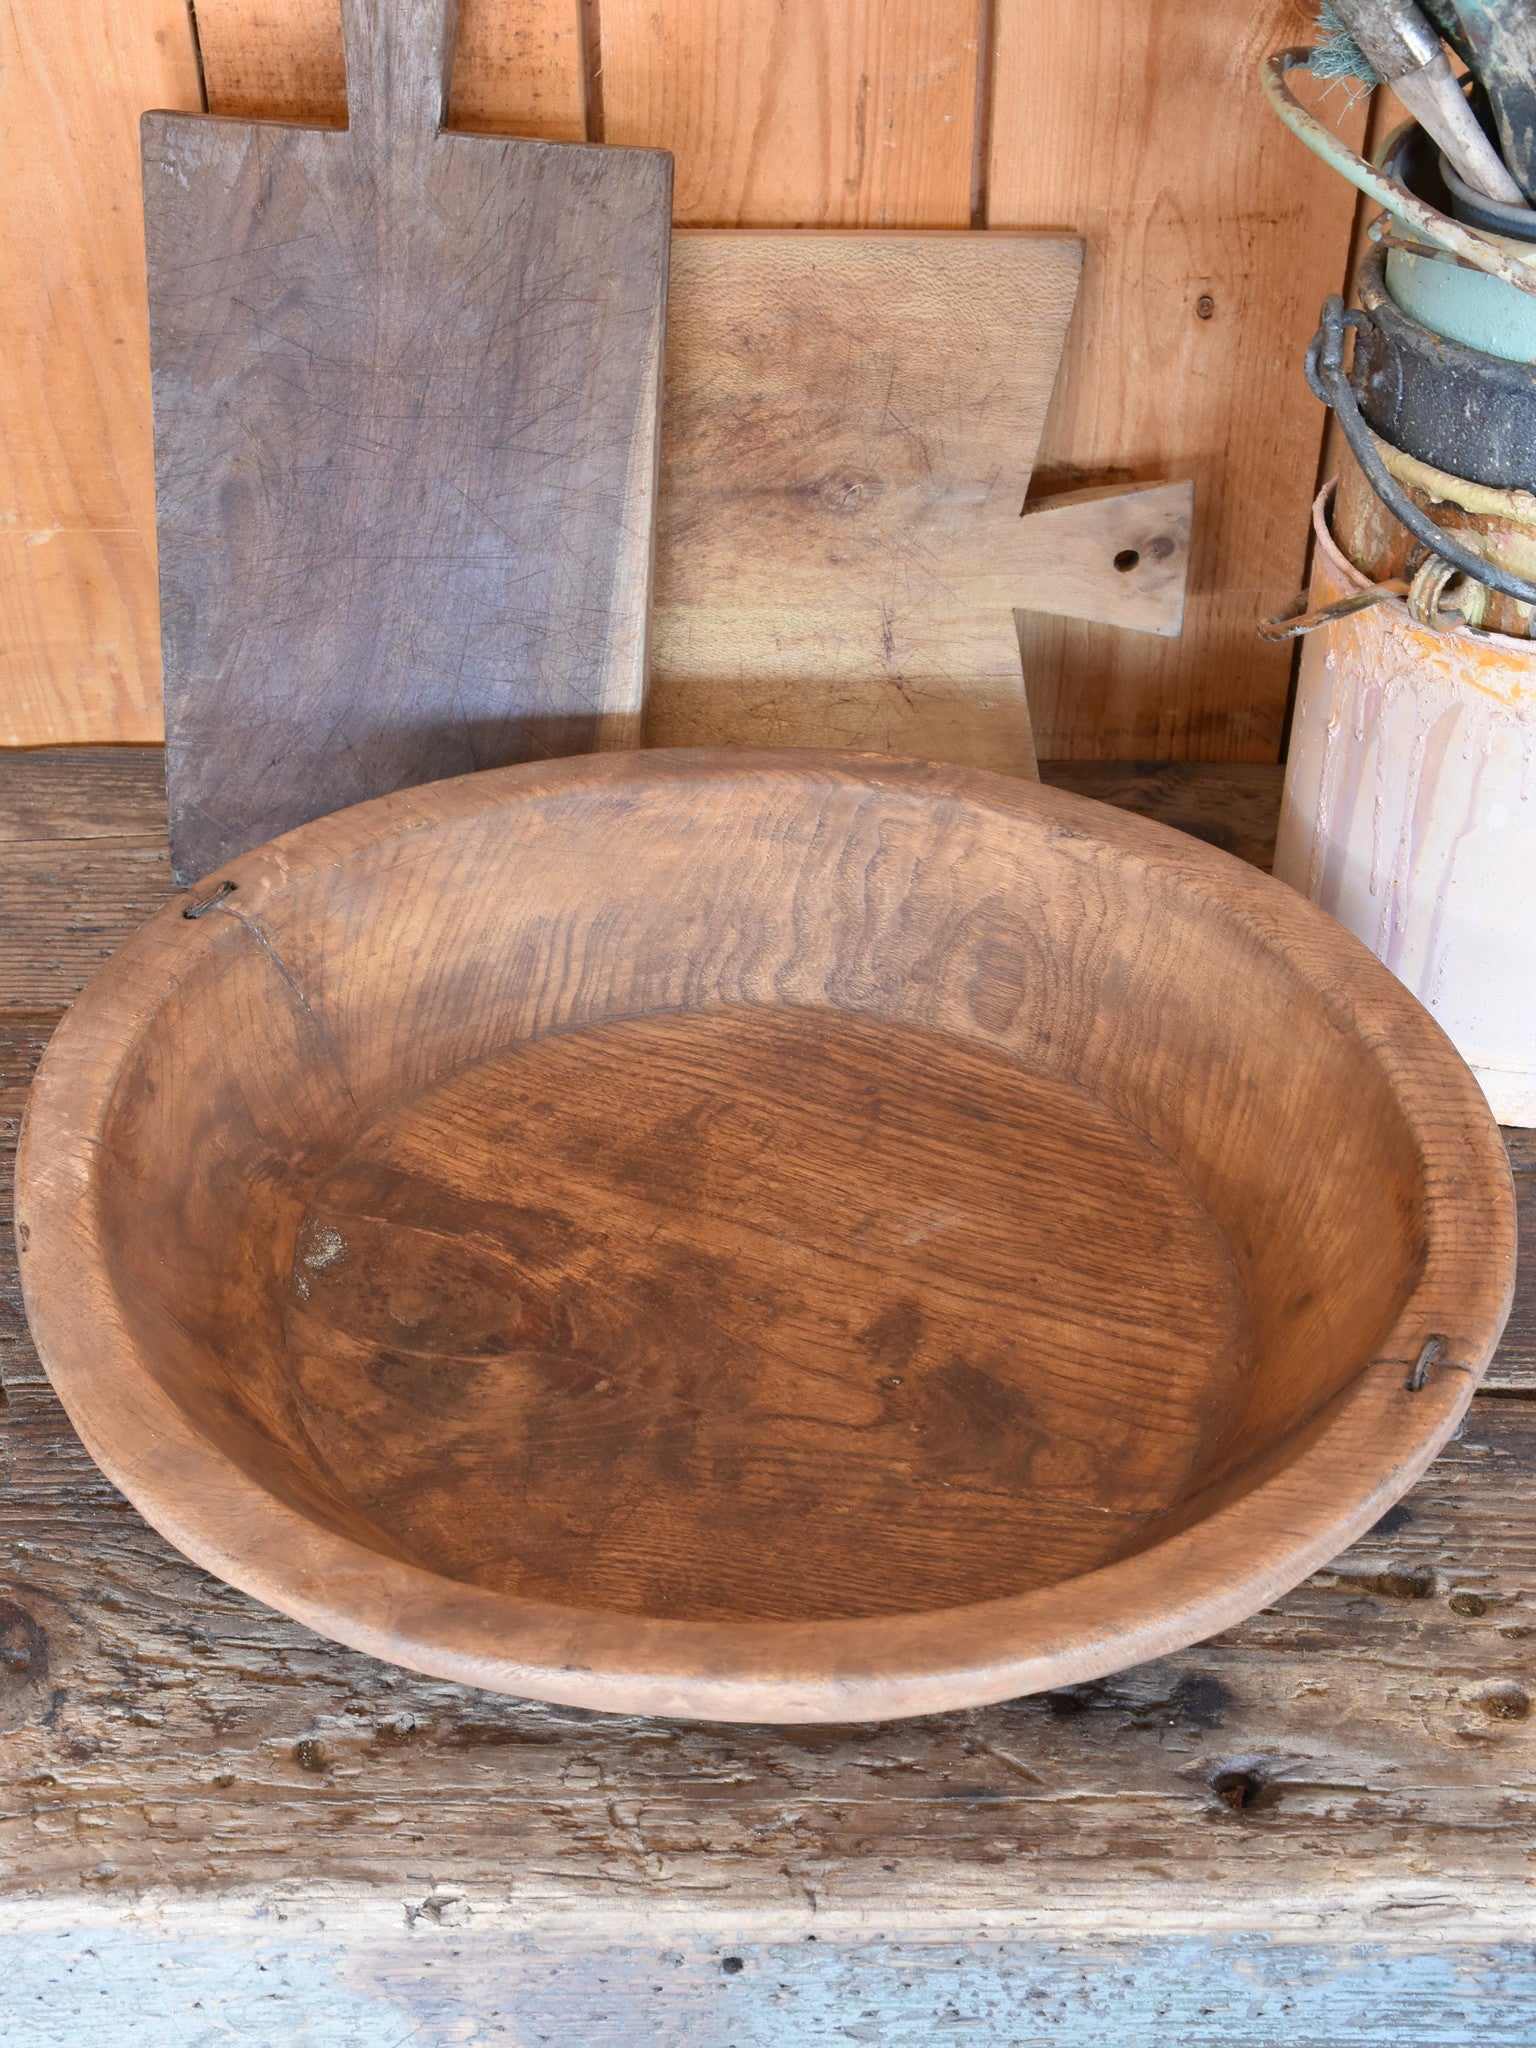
1410 793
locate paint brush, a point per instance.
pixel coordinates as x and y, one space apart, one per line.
1501 49
1401 48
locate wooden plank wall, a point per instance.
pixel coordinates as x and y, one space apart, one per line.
1212 239
79 618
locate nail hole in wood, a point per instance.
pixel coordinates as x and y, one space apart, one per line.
1508 1702
1127 559
1416 1582
1244 1790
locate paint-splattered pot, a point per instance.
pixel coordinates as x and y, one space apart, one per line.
1410 814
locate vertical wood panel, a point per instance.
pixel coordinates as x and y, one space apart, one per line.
518 68
274 60
1140 124
800 113
79 634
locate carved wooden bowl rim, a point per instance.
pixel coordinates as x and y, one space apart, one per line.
1328 1485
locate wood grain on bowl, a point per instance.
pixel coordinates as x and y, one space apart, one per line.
758 1236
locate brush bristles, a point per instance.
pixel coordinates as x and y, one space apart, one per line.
1338 55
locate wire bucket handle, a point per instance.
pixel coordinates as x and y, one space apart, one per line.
1330 382
1469 245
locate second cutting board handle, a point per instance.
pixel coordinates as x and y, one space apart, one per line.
399 62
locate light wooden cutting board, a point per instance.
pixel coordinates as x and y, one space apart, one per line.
850 427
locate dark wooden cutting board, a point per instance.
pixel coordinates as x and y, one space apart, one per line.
407 393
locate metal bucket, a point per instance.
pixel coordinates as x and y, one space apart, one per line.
1446 439
1467 413
1410 814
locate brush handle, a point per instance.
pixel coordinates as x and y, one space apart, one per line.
1404 46
1432 95
1394 34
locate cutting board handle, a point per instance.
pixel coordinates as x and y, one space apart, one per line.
399 61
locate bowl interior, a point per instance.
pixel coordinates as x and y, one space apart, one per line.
768 1197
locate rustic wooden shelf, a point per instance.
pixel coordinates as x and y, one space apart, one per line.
1317 1827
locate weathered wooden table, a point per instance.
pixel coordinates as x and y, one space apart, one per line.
1317 1829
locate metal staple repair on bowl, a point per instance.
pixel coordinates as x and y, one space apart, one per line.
209 902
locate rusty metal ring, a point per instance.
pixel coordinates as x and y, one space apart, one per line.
1426 595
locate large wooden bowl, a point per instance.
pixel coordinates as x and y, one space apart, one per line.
758 1236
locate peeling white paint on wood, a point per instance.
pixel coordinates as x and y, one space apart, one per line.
1410 815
